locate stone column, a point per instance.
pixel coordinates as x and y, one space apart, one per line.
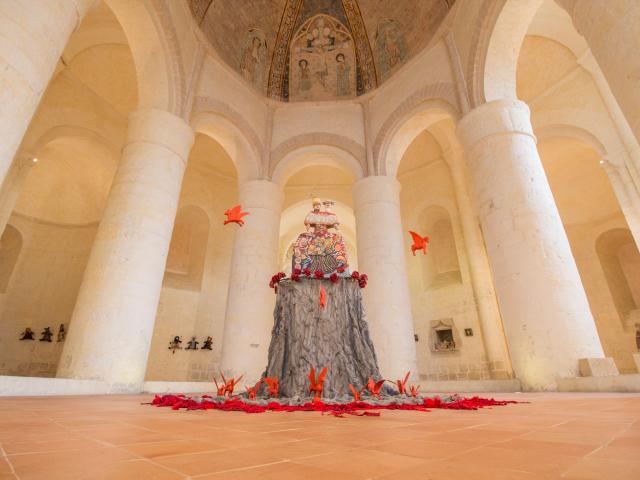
544 308
250 301
112 323
626 193
493 335
381 255
12 187
612 29
33 36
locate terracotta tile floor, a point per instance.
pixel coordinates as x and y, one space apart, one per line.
568 436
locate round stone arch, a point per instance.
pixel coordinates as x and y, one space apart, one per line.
394 140
316 149
244 153
150 30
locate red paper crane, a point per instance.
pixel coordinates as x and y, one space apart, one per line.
414 390
375 387
356 393
220 388
235 215
316 386
402 384
253 390
419 243
323 297
273 385
230 384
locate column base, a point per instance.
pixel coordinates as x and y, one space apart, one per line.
597 367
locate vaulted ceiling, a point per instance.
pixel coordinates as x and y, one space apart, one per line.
296 50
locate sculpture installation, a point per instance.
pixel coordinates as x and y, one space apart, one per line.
320 323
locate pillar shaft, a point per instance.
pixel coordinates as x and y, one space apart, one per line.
493 336
544 307
611 30
112 323
32 38
12 187
381 255
250 301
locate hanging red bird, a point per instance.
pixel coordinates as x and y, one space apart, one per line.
323 297
402 384
235 215
414 390
272 385
253 390
356 393
375 387
419 243
315 386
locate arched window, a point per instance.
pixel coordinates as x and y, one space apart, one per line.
188 249
10 246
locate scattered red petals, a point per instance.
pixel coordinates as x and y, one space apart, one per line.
177 402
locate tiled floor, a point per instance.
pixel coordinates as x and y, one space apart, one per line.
569 436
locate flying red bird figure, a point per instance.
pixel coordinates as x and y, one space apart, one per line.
235 215
356 393
375 387
230 384
272 385
220 388
315 386
402 384
323 297
419 243
253 390
414 390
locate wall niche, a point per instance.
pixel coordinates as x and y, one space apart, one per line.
444 336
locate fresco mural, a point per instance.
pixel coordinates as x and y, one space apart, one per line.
390 47
322 61
253 61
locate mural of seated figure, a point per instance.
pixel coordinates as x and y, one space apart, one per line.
319 248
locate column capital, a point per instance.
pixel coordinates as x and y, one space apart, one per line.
160 127
499 117
261 194
376 188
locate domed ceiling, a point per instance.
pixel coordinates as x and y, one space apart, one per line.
298 50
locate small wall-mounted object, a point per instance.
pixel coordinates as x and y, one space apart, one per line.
46 334
468 332
444 336
175 344
27 334
208 344
62 333
415 337
192 344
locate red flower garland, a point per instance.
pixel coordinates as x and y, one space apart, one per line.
334 278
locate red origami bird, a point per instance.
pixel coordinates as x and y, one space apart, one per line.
414 390
235 215
253 390
375 387
272 385
230 384
220 388
419 243
316 386
323 297
402 384
356 393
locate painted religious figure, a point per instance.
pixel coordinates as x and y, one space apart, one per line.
390 46
322 62
254 58
319 248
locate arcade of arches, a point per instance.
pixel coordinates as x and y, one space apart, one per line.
507 130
